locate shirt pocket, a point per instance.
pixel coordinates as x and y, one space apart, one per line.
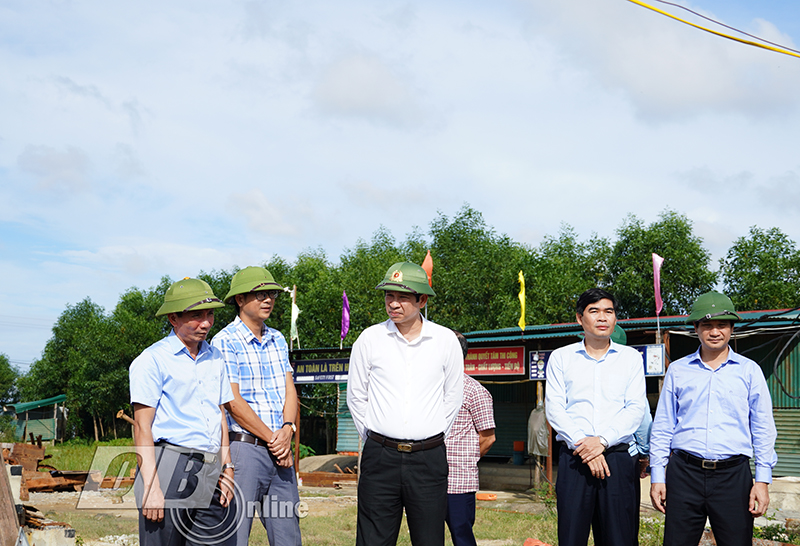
734 399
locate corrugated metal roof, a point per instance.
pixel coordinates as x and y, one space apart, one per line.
21 407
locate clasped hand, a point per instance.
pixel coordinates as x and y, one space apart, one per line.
590 450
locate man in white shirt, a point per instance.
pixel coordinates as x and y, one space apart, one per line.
404 390
595 402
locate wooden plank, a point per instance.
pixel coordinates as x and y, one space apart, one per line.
9 526
27 455
327 479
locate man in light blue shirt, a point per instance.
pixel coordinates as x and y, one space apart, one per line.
714 413
595 402
177 388
263 410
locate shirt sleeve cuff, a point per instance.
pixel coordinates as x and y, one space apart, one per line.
657 474
763 474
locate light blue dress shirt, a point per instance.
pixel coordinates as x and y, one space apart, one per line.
185 392
714 414
641 438
589 397
258 367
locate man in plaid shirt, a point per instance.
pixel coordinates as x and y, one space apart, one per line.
262 412
469 439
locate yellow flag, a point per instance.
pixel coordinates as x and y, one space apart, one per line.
522 301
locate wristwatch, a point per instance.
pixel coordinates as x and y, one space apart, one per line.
294 428
226 466
603 441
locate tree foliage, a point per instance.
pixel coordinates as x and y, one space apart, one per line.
685 273
562 268
8 381
762 271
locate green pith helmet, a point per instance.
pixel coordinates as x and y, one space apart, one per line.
406 277
189 295
713 306
619 336
251 279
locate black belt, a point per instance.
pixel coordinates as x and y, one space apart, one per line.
247 438
710 464
202 456
408 446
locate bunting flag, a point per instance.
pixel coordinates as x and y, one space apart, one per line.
345 317
657 261
295 314
521 301
427 265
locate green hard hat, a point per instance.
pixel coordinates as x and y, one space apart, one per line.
406 277
712 306
619 336
251 279
188 295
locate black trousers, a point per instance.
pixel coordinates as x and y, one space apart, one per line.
461 518
607 506
722 496
391 481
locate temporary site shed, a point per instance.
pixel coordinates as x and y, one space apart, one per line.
40 417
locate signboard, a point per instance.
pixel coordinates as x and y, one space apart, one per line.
495 361
538 364
653 357
324 370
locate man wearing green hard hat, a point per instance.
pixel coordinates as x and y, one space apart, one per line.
263 410
404 389
714 414
178 386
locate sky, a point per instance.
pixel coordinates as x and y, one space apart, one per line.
143 139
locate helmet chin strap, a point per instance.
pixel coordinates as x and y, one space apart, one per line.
711 316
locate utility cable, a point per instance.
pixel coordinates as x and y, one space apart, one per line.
779 49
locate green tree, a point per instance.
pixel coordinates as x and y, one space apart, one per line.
8 381
361 269
762 271
475 273
685 273
562 269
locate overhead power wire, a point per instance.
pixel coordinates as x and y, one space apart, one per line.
773 47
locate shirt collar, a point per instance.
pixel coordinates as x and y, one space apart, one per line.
733 358
613 348
176 345
239 325
391 328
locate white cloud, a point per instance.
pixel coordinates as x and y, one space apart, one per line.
67 85
65 171
263 214
666 68
362 86
127 163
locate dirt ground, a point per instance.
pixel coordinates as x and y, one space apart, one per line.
321 501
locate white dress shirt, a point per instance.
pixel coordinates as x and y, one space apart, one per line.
407 390
588 397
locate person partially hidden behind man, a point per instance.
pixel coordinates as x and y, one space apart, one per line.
470 438
178 386
595 401
714 413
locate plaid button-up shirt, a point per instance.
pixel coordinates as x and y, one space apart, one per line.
463 447
259 368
